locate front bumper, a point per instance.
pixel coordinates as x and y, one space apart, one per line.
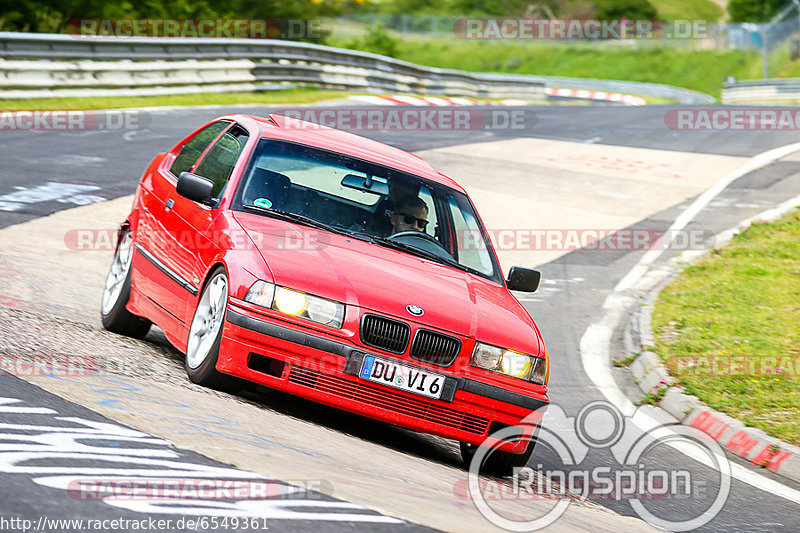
325 370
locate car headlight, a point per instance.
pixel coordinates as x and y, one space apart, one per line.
261 293
539 372
296 303
289 301
515 364
486 356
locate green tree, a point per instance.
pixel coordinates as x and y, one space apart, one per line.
377 40
630 9
754 10
499 8
54 15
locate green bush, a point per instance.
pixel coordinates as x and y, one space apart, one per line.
631 9
377 40
754 10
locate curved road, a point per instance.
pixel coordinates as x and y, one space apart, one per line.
604 167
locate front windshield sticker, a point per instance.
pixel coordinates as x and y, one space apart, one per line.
262 202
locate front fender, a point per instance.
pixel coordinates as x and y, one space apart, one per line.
237 252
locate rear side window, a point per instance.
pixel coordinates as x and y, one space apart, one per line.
191 151
218 163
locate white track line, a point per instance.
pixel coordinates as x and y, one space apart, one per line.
596 340
698 205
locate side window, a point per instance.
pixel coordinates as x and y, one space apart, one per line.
433 224
218 163
471 246
190 152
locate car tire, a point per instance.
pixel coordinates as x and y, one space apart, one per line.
113 312
205 335
498 463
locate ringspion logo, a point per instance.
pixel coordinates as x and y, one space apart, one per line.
632 470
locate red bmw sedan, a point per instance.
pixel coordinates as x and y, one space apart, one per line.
335 268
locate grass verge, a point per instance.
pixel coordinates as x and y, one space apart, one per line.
728 328
688 10
289 96
701 70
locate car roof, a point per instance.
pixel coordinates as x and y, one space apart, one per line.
294 130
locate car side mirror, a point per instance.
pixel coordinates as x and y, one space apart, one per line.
523 279
194 187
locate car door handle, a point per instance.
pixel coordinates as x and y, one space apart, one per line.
170 203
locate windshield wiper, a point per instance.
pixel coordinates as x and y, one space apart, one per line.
291 217
419 252
302 219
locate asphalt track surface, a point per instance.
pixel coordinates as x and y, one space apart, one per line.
110 162
67 426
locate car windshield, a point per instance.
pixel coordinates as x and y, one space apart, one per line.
389 207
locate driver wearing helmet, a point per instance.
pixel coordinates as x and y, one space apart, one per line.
410 214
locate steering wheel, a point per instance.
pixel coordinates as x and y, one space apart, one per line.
421 240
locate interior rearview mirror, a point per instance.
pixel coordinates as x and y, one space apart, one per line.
366 184
523 279
194 187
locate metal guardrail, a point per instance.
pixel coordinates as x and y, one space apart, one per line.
784 90
678 94
67 65
272 61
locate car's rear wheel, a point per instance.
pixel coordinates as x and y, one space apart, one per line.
496 462
114 314
205 334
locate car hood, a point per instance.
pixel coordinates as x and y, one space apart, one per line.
386 281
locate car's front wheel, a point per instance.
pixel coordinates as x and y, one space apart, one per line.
205 334
496 462
117 290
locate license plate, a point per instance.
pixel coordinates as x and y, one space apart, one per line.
402 377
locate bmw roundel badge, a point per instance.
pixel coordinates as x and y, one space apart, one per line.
414 310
